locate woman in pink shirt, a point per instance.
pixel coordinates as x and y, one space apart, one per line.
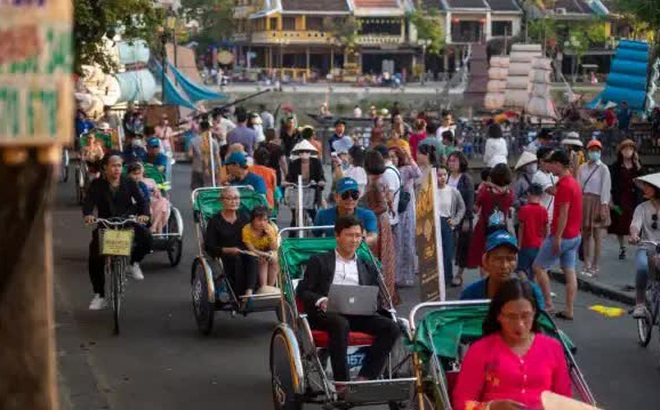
513 363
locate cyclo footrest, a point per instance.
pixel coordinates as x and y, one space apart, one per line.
378 391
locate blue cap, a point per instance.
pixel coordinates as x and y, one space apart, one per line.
153 142
237 158
501 238
347 184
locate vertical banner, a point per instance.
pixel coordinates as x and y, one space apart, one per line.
429 242
36 81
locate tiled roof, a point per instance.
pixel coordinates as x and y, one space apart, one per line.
314 5
573 6
376 4
503 5
466 4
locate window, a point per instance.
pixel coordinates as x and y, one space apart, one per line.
289 23
315 23
273 23
502 28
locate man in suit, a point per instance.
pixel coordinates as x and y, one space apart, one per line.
342 267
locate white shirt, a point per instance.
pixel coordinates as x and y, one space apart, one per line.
359 175
392 179
346 271
443 128
496 152
357 112
643 221
443 201
546 181
453 181
600 182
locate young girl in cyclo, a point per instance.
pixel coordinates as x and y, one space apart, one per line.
260 238
645 226
159 205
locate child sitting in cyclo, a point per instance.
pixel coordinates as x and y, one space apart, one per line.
533 219
159 205
260 238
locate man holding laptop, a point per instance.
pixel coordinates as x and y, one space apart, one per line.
341 294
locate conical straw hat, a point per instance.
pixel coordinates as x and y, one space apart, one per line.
525 158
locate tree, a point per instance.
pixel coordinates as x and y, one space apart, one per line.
344 30
428 27
215 18
94 21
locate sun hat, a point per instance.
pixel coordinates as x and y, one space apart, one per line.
304 145
237 158
651 179
572 138
103 126
501 238
595 144
526 158
347 184
626 143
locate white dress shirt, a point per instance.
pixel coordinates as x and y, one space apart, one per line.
495 152
346 273
600 183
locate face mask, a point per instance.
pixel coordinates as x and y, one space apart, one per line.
532 168
594 155
305 155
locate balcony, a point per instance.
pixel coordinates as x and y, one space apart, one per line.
380 39
292 36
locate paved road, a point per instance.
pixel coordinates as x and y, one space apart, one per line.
160 362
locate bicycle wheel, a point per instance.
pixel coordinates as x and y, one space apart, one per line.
645 326
117 283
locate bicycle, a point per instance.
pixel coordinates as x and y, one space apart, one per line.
302 204
115 245
651 296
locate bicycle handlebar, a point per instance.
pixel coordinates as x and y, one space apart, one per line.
312 184
116 221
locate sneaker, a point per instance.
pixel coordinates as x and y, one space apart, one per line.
136 271
622 254
640 311
98 303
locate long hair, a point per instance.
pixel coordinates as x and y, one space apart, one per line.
510 290
400 155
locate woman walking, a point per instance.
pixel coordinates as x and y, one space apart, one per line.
460 179
405 238
496 151
451 209
625 197
379 199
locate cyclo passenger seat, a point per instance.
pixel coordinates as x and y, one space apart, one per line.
321 338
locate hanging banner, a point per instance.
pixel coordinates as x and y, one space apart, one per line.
36 81
429 242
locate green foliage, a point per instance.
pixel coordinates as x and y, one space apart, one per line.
94 20
215 17
344 30
582 36
576 37
428 27
642 11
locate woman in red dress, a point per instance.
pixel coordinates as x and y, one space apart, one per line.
494 194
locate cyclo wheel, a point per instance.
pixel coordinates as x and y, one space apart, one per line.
203 309
175 248
645 326
283 374
79 182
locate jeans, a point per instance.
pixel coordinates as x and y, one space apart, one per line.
642 270
141 247
447 249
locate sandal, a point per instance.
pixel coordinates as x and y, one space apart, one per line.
563 316
457 282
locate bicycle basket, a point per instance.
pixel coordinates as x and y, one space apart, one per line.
116 242
309 197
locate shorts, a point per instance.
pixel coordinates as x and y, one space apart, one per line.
526 257
567 257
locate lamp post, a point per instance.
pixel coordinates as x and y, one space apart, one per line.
282 42
170 24
424 42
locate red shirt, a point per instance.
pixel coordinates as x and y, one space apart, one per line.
534 218
414 140
568 192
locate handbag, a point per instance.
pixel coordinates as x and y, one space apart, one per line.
404 196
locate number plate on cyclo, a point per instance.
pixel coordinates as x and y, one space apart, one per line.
117 242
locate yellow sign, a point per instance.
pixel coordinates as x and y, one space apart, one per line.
36 81
117 242
429 243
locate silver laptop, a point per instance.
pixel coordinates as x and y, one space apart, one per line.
353 300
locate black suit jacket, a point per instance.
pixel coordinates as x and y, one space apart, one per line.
319 276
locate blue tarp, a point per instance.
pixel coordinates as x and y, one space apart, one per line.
628 76
171 94
139 85
195 92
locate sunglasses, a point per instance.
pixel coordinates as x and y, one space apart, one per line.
350 194
654 225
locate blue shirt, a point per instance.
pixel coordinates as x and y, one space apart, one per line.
244 136
158 160
253 180
134 153
479 290
623 116
329 216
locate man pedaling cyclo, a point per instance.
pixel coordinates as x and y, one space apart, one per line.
115 196
342 266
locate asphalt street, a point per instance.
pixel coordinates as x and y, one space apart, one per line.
161 362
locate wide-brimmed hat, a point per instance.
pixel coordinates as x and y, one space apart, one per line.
574 141
651 179
526 158
626 143
304 145
103 126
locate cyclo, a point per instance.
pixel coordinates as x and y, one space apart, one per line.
299 355
213 290
440 333
82 176
170 239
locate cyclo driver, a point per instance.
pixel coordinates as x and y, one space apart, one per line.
114 195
